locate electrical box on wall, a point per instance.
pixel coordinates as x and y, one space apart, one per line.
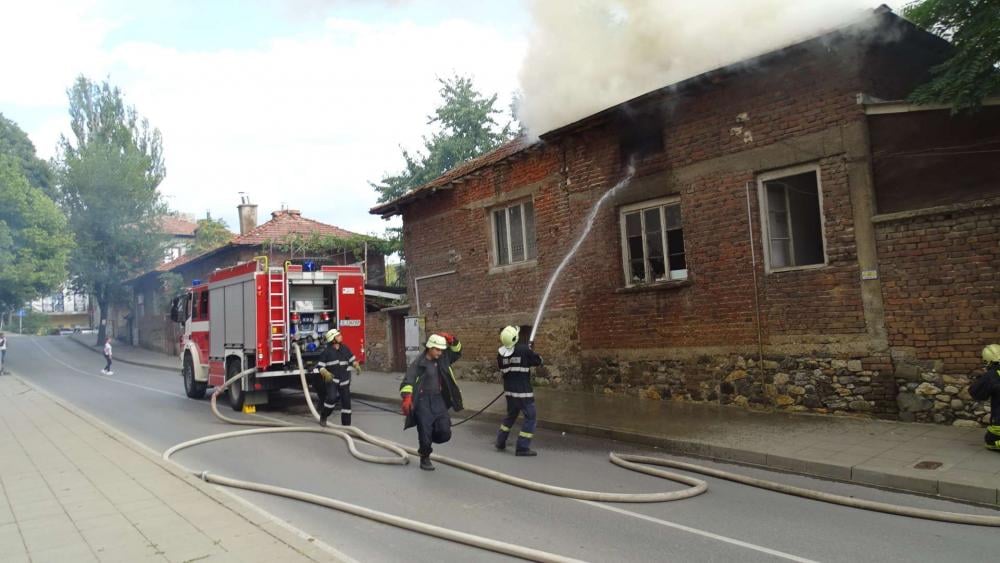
413 340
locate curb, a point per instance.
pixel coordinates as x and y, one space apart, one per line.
131 362
852 474
297 540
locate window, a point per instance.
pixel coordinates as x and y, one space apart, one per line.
653 242
791 205
514 234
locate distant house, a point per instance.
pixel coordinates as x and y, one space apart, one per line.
181 229
792 237
148 323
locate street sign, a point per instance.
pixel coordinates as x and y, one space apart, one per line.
20 313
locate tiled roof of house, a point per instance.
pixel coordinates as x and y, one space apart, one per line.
174 225
504 151
288 222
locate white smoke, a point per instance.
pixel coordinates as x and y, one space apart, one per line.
587 55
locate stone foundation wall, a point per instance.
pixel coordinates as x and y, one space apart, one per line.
940 398
820 385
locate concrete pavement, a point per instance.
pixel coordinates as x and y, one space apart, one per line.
871 452
76 490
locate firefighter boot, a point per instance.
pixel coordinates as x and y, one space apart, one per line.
345 417
324 413
425 463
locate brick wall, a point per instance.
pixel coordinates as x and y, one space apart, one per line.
940 276
376 345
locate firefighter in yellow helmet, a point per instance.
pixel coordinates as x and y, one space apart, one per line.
515 360
987 386
335 363
428 390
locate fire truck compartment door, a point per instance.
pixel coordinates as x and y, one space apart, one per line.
351 312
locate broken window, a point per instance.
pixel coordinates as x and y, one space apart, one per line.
792 209
653 242
514 234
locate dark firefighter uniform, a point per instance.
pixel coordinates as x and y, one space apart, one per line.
337 360
988 387
515 365
430 387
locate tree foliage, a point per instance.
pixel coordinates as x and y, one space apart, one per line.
210 234
109 173
15 143
972 73
34 240
467 127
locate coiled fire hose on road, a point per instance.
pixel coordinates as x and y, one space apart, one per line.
636 463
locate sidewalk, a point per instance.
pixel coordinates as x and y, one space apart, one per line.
871 452
72 489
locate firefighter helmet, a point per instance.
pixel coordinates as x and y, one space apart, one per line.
509 335
991 354
331 334
437 341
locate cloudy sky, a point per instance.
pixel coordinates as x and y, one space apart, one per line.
302 102
296 102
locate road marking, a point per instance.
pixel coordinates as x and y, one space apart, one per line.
703 533
118 381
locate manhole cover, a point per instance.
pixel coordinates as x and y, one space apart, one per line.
928 465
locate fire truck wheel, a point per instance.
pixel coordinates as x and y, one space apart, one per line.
193 389
236 394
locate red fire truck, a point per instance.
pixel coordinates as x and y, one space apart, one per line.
251 314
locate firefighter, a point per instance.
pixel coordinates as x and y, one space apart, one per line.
988 387
334 365
515 360
431 378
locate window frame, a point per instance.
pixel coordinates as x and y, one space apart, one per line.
763 212
640 207
505 207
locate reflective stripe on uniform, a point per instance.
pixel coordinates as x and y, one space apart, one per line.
519 395
406 389
345 411
328 405
352 360
504 428
526 435
345 383
517 369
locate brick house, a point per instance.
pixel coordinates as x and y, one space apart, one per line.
766 253
150 325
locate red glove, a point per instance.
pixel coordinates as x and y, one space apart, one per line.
407 404
449 338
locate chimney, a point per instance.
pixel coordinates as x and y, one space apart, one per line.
248 215
290 212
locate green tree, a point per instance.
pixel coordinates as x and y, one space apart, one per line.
109 173
34 240
14 142
467 127
972 73
210 234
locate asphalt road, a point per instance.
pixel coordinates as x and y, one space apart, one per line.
730 522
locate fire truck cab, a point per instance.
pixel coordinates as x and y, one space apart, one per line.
253 314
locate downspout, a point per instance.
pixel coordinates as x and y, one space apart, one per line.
416 284
756 291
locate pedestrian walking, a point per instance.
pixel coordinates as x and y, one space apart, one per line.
515 360
334 365
107 356
432 380
3 352
987 386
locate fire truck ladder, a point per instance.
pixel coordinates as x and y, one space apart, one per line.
276 314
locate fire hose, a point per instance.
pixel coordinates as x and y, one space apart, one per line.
632 462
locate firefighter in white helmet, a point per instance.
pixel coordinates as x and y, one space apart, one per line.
988 387
515 360
428 390
335 363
